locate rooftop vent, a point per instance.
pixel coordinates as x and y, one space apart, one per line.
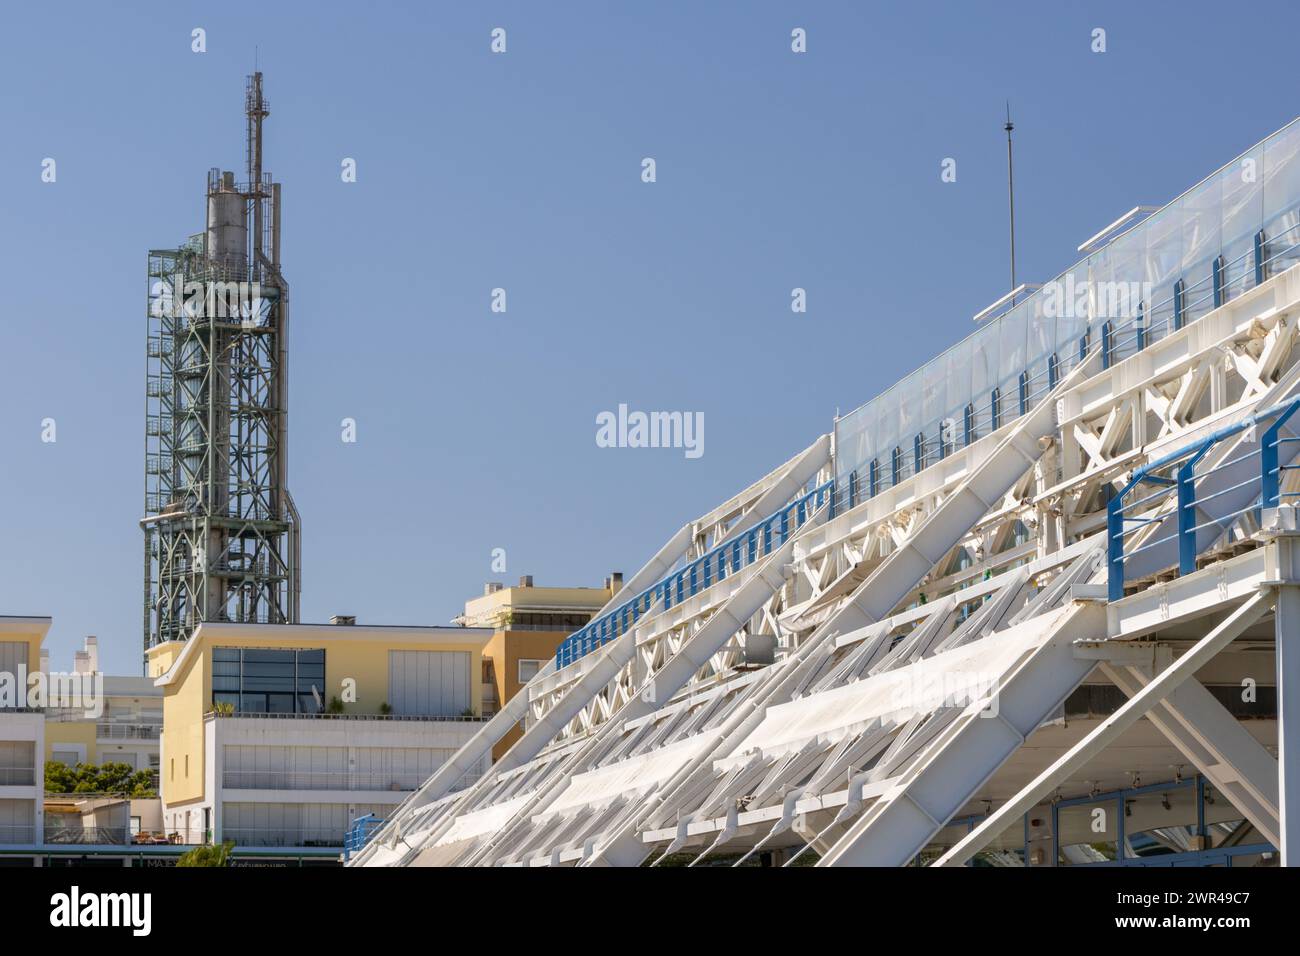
492 587
344 619
526 581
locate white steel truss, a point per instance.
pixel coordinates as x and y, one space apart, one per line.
925 640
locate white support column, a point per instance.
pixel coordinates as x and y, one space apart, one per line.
1287 635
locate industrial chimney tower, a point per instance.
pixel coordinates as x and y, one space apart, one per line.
221 533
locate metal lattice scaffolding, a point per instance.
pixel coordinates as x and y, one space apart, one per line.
221 530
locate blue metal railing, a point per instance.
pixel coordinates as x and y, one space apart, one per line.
359 834
1259 483
1118 801
743 549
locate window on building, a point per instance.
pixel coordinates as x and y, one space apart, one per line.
528 669
258 680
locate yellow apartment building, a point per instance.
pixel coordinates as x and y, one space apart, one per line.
282 735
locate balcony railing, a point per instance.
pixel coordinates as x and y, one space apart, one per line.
285 836
244 715
17 833
17 776
88 836
109 730
323 780
1172 509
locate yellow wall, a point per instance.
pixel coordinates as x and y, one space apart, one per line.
180 771
354 651
30 630
162 656
507 649
71 732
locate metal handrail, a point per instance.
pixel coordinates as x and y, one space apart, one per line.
1176 474
345 779
254 715
359 834
713 566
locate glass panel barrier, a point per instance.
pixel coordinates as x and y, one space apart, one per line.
1203 239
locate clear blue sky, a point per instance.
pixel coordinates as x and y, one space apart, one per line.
477 430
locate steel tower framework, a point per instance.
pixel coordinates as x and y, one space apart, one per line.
221 531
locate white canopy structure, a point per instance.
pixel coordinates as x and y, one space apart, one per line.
1035 605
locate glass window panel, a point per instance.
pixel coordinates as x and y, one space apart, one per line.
1242 210
1088 833
853 438
1011 356
984 361
907 398
1281 189
1202 223
934 396
1040 333
1119 291
268 667
266 682
1164 263
1242 192
886 425
1160 823
957 374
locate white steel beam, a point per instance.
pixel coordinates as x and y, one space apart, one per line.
694 652
1215 742
1287 637
1110 729
895 828
878 595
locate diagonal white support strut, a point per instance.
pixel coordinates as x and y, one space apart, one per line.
905 818
1111 728
1216 743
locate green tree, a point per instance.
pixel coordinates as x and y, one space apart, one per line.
110 777
59 777
207 855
